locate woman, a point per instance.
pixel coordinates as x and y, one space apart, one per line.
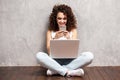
62 16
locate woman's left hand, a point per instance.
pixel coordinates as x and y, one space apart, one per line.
67 34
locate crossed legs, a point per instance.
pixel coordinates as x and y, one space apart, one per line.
47 62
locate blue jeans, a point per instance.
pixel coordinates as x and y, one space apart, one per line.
61 66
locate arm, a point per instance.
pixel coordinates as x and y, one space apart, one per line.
48 41
74 34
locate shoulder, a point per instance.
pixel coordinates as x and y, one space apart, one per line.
49 32
74 30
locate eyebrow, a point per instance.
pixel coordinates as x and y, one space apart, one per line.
61 18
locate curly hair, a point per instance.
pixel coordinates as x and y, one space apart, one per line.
66 10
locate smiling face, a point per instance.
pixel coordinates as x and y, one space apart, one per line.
61 19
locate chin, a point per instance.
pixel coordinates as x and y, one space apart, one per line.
62 25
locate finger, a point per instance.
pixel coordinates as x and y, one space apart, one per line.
66 31
60 31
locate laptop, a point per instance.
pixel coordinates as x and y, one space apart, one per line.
64 48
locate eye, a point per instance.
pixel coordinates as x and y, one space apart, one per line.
59 18
65 18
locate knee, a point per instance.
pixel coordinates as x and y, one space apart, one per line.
89 55
40 56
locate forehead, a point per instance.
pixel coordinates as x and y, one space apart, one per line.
61 14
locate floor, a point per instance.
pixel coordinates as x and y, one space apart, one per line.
38 73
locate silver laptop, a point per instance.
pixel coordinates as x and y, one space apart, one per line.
64 48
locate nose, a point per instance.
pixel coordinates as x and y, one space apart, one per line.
62 20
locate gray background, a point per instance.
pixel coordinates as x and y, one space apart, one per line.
23 26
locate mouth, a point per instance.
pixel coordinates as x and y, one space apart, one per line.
62 25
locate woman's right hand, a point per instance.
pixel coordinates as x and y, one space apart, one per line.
59 34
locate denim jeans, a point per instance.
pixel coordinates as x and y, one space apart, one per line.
61 66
